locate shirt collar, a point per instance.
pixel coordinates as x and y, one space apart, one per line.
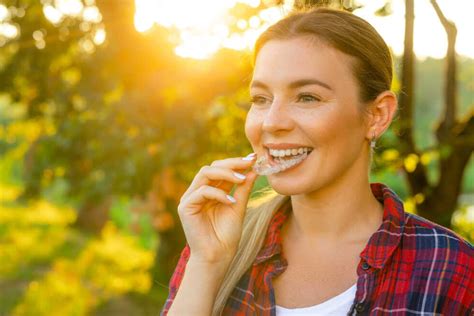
380 245
387 238
272 244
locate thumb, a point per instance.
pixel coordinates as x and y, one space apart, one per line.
243 190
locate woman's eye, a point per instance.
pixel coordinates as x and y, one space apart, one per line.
305 98
258 100
308 98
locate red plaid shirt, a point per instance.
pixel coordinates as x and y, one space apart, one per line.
410 266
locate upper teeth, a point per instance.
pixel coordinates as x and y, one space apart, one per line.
289 152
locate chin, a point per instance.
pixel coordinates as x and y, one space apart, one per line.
285 187
299 182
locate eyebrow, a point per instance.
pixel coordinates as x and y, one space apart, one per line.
294 84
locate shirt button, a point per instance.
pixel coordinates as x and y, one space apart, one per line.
359 307
365 265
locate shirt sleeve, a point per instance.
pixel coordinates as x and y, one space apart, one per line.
176 279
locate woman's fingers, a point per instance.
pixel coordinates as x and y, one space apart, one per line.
235 163
207 209
221 174
214 176
242 192
206 193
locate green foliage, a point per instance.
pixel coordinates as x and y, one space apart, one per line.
107 267
463 222
129 222
81 274
82 125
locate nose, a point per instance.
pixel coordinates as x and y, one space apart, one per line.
277 118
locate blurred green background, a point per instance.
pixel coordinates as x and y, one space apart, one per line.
108 109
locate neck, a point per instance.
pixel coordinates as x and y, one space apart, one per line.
345 210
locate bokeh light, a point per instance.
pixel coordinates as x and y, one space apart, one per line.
204 26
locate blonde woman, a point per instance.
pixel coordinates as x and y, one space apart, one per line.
325 241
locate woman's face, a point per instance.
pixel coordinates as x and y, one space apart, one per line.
305 95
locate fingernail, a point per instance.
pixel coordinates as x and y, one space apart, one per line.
239 175
231 198
250 157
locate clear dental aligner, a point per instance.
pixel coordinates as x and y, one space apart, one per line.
262 165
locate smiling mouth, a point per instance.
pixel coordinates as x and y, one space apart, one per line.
285 159
277 161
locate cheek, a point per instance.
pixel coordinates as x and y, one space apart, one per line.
331 127
319 126
252 128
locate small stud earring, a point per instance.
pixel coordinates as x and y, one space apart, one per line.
372 142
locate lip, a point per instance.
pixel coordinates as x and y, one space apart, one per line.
284 145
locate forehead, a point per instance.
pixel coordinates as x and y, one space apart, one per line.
280 61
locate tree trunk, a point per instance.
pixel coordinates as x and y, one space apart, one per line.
93 215
417 180
172 241
118 20
455 139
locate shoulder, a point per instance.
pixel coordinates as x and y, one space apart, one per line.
439 262
433 236
438 251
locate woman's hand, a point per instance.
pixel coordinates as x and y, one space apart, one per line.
212 220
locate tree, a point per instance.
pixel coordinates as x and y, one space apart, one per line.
455 136
122 115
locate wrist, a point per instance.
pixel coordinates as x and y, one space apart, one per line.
199 286
207 258
214 266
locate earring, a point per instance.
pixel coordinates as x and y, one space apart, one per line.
372 142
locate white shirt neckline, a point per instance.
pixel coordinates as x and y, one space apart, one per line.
331 306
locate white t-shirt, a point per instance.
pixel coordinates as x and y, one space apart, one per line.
337 305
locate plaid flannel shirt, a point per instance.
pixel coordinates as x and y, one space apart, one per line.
410 266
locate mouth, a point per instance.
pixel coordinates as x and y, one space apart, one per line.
275 161
281 156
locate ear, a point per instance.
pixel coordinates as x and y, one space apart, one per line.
380 114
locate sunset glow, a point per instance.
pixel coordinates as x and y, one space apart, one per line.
204 25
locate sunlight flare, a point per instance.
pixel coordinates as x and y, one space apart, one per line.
204 27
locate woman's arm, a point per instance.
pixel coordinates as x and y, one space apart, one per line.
212 222
198 288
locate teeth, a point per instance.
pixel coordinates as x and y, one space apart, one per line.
262 166
289 152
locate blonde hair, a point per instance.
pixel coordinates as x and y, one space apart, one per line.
258 216
373 68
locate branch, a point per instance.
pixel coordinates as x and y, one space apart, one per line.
417 179
445 131
454 135
446 23
465 137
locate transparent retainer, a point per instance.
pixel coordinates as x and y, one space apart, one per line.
262 165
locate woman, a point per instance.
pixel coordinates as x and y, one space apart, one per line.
326 242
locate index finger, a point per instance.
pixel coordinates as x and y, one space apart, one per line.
238 163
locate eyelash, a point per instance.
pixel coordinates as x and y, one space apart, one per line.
254 100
